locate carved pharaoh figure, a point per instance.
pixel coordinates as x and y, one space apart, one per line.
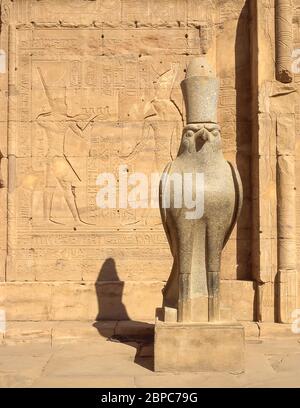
59 171
192 291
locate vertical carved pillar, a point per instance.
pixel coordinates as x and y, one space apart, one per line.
284 36
11 151
4 21
264 204
286 193
286 196
274 195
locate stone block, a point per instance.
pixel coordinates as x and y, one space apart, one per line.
182 347
28 332
237 297
63 301
275 330
70 332
235 257
286 134
251 329
266 300
25 301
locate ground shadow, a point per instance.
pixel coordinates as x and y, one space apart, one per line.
140 335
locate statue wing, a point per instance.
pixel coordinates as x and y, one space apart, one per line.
238 200
163 211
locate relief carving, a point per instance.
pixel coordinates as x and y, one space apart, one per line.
59 171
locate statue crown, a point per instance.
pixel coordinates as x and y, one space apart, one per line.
200 90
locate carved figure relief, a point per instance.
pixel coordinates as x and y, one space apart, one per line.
59 171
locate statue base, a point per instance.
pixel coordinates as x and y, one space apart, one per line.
196 347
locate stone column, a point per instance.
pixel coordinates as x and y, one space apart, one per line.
264 205
3 136
274 251
286 196
11 153
284 36
286 183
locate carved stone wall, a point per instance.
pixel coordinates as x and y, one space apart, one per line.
275 196
93 84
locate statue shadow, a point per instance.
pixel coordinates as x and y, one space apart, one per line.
140 335
246 226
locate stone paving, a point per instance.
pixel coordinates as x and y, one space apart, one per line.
104 363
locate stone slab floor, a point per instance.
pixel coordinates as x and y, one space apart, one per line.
104 363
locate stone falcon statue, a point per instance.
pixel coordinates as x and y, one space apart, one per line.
192 291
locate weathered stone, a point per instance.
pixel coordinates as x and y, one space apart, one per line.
252 330
114 98
238 307
275 330
112 301
183 347
269 363
233 267
67 332
28 332
197 238
284 35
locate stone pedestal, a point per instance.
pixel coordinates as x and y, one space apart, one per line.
194 347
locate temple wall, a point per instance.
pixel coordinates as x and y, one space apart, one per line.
91 85
296 45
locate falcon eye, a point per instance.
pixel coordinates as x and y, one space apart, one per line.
189 133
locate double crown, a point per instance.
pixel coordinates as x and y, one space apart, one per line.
200 91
